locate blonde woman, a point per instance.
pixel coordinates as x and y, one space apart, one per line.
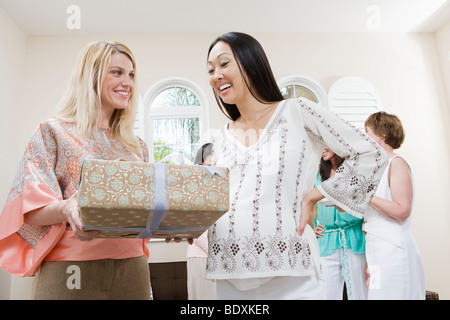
40 228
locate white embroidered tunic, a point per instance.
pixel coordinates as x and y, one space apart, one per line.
257 237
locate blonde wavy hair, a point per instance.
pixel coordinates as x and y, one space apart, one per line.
81 103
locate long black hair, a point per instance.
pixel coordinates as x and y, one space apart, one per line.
202 153
254 66
325 166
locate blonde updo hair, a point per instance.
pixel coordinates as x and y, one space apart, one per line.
387 126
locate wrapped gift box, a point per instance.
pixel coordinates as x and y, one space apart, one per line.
143 200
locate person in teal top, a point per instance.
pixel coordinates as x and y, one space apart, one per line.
341 242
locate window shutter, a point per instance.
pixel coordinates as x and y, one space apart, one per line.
353 99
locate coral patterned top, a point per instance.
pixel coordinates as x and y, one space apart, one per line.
49 171
257 238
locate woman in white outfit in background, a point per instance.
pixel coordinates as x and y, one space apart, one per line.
395 269
199 288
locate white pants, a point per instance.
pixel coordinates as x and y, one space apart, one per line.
334 277
278 288
396 273
199 288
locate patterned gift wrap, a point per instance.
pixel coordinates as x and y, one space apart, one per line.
143 200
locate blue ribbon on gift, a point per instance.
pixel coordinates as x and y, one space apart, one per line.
160 202
144 230
154 220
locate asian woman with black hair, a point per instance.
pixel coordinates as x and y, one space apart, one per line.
265 247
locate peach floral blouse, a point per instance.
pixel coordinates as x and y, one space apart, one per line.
49 171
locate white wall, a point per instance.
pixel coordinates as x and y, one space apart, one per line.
407 70
12 60
442 38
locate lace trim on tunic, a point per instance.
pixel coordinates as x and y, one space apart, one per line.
226 249
348 180
256 249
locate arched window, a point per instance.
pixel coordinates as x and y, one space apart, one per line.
300 86
176 120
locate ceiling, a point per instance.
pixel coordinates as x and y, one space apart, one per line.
51 17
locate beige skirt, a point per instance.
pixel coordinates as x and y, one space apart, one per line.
107 279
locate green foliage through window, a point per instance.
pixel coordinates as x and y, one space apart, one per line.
177 136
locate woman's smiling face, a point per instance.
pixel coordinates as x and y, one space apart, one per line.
118 84
224 74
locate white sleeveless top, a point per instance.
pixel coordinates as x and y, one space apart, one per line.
394 261
381 226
